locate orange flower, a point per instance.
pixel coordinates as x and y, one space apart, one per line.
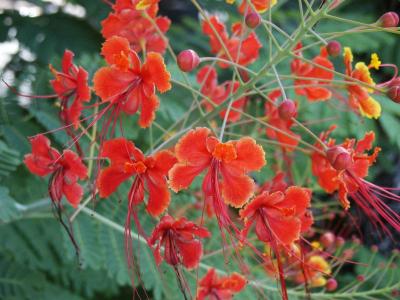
71 82
65 170
207 78
332 180
243 52
128 84
289 143
344 168
198 151
127 161
149 174
313 76
279 217
359 98
127 21
180 241
261 6
211 286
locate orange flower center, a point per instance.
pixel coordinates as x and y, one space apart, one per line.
137 167
225 152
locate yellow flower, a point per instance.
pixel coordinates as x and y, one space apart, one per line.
230 1
375 62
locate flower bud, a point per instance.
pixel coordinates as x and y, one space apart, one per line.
252 20
287 109
389 19
334 48
394 90
331 285
338 157
360 278
188 60
327 239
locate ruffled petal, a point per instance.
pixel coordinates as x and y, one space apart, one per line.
109 180
297 198
148 110
109 83
190 252
191 148
73 193
250 156
155 71
73 163
236 187
164 161
120 150
159 196
285 230
182 175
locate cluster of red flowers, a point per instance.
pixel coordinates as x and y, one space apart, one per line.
279 213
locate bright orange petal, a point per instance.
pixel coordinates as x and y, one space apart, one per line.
182 175
159 196
237 188
191 148
109 83
250 156
148 111
155 71
297 198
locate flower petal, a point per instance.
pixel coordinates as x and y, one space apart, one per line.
236 187
155 71
73 193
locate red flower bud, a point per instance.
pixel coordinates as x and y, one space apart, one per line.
334 48
338 157
327 239
394 90
253 19
360 278
245 75
188 60
287 109
331 285
389 19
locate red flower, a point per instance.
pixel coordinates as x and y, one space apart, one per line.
71 83
290 140
279 217
180 241
150 174
213 287
128 84
128 21
65 170
242 52
197 151
317 76
348 179
207 78
128 161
